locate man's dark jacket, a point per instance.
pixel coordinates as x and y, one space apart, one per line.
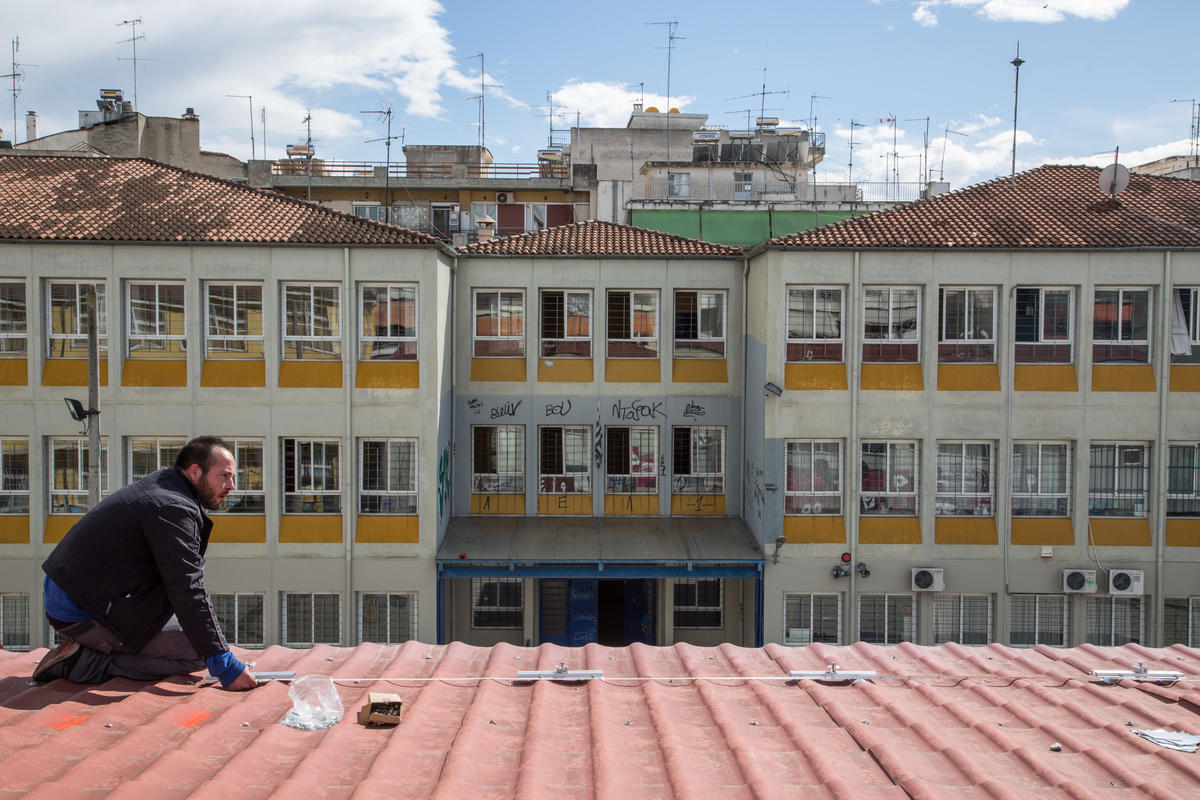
137 558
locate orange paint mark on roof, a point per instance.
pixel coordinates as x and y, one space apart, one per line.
64 722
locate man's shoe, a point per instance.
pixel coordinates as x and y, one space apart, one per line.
58 662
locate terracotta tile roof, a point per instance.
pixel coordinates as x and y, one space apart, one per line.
940 722
593 238
136 200
1050 207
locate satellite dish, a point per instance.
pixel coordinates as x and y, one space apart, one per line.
1114 179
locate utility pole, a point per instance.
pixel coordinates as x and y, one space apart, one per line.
671 37
133 40
251 100
1016 62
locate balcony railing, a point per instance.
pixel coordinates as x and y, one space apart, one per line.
369 169
759 191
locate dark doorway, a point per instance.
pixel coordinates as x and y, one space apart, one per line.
610 612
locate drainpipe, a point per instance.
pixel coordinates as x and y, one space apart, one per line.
1004 488
1160 505
745 432
348 471
440 588
854 363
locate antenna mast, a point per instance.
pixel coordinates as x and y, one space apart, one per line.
853 125
671 37
308 153
385 113
133 40
262 110
925 152
251 99
1193 132
482 91
945 136
16 76
1016 62
812 100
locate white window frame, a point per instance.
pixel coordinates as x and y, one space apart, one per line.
233 633
152 338
73 343
891 340
1099 345
289 638
14 606
372 210
405 497
1031 491
1115 621
410 599
497 608
636 480
243 344
373 347
956 619
949 498
679 184
1041 614
1042 339
328 346
243 499
637 346
891 607
565 345
801 497
702 345
490 346
166 448
696 608
976 345
293 499
1191 314
14 319
694 481
894 495
1183 479
509 475
566 481
1189 609
800 607
801 348
60 499
1108 501
14 487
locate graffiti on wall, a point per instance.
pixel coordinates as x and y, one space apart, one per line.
637 410
443 481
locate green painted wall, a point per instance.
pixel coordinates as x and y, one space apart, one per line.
743 228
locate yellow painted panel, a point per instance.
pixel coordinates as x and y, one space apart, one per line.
814 377
497 369
1123 378
632 370
309 528
70 372
1043 530
57 526
388 529
1185 377
893 377
388 375
1183 533
14 529
154 372
968 378
698 505
216 372
1120 532
14 371
1045 378
889 530
699 370
239 529
497 504
631 505
571 370
566 504
310 374
965 530
814 530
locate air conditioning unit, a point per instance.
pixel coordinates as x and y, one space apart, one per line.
928 579
1126 581
501 197
1079 580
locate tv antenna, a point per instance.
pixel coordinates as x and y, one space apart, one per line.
262 110
671 37
925 151
762 95
945 136
16 75
133 40
385 113
812 101
890 119
251 100
853 125
483 84
1193 133
1016 62
308 152
747 112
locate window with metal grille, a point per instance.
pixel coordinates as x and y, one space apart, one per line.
14 622
679 184
886 618
889 478
1041 479
67 319
698 459
700 324
1038 619
814 324
498 459
814 477
389 322
1114 621
565 459
155 320
233 321
241 617
631 460
1043 325
633 324
1121 326
497 603
312 322
964 479
372 211
1119 479
499 322
14 322
69 460
308 619
566 323
14 476
962 618
250 495
312 481
966 325
387 618
1181 621
1185 325
147 455
1183 480
811 618
891 325
699 603
388 476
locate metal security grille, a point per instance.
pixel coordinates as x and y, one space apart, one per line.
387 618
699 324
814 324
156 327
966 325
311 476
1038 619
497 603
566 324
14 476
389 323
814 477
235 321
388 475
14 321
809 618
1119 480
249 496
309 619
698 460
699 603
14 622
886 618
241 618
632 324
498 459
631 460
148 455
565 459
964 479
1183 480
889 478
962 618
1114 621
69 474
1181 621
67 325
312 325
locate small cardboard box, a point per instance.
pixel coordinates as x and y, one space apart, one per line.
381 708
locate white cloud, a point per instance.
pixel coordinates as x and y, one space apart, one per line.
604 104
1130 158
1040 11
924 17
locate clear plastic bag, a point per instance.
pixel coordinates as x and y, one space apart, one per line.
315 704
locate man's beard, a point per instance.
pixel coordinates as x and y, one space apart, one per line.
207 495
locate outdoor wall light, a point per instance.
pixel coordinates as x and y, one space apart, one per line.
839 571
862 569
76 409
771 388
780 541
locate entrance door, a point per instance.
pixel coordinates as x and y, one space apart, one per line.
612 612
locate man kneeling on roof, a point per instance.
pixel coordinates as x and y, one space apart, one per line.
125 586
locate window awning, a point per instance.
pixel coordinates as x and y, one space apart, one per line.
578 547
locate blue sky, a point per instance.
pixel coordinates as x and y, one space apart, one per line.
1098 74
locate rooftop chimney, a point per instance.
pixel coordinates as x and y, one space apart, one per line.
190 113
31 130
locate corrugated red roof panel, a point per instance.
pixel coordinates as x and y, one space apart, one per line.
938 722
1056 207
63 198
593 238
